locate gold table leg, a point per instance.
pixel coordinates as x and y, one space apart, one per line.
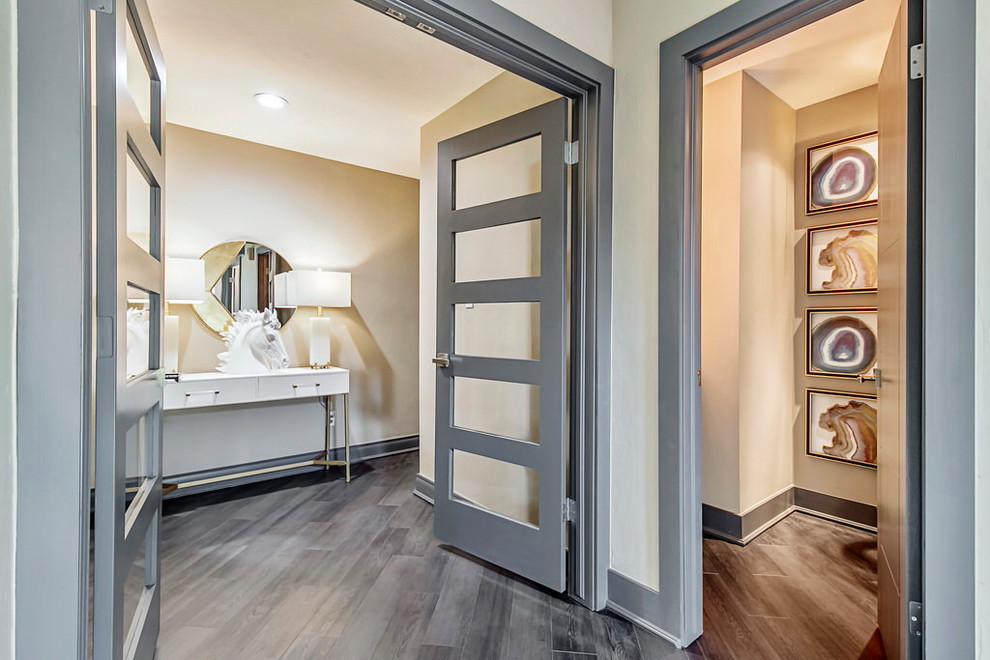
327 422
347 439
325 461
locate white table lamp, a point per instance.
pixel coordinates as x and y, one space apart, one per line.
319 289
185 284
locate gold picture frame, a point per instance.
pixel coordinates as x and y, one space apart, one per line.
860 151
841 427
855 244
867 316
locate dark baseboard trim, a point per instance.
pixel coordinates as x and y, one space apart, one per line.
836 508
425 489
743 528
637 603
359 453
378 449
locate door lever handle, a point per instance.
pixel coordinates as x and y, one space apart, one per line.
875 378
442 360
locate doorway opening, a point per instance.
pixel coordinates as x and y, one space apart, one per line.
802 237
317 179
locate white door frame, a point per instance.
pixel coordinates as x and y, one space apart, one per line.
55 315
947 379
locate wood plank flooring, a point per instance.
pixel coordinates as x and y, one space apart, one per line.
806 588
311 567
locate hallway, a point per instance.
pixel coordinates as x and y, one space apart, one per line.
309 567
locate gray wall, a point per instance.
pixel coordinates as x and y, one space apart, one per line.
8 309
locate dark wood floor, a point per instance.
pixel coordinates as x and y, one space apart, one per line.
310 567
806 588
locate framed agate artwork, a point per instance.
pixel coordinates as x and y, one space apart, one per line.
843 258
842 427
842 343
843 174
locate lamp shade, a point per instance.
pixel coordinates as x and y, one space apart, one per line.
185 280
312 288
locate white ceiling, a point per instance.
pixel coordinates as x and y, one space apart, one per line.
359 84
831 57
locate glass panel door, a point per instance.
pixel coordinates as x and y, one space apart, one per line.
130 172
501 318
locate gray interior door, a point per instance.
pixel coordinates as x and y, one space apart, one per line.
501 411
129 171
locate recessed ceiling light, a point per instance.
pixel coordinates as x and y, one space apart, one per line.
270 100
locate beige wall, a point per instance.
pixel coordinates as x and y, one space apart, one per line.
983 329
317 213
8 310
638 28
766 363
747 315
585 24
504 96
843 116
721 224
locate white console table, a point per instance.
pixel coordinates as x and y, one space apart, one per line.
205 390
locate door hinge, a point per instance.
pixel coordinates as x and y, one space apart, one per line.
572 152
916 60
104 337
699 377
569 510
916 619
102 6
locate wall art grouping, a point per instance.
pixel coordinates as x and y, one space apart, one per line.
842 427
842 342
843 258
843 174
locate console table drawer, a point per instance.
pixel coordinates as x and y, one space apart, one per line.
203 393
303 385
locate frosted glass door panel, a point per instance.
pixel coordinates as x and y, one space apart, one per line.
137 585
137 455
501 252
139 82
141 201
498 330
139 331
503 173
502 488
509 410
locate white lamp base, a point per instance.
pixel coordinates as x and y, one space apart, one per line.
170 345
319 342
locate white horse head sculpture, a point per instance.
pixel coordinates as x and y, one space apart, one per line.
254 345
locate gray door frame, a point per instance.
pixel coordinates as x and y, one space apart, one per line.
943 564
55 289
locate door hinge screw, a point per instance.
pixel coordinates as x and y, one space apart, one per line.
916 619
